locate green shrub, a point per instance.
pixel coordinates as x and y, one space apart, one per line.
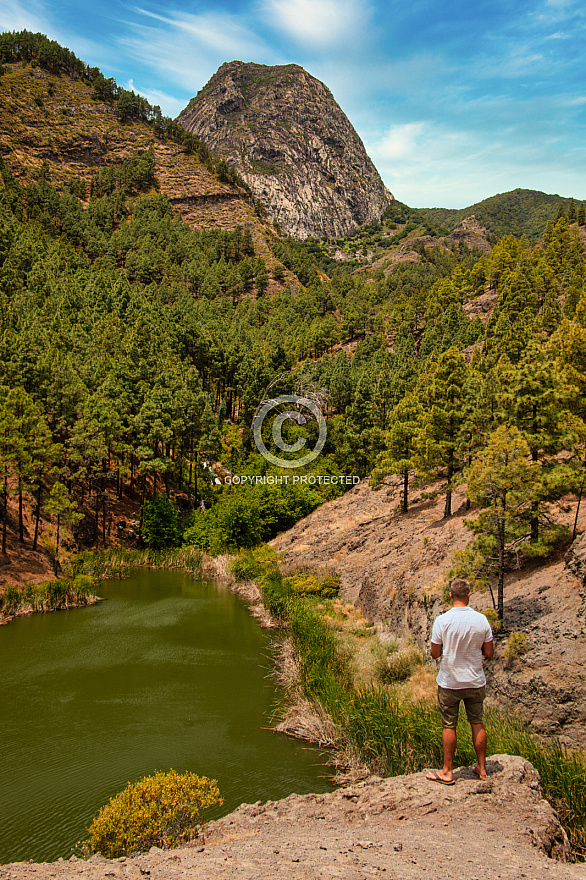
308 584
160 523
514 647
493 618
276 595
197 532
252 565
249 515
161 810
238 522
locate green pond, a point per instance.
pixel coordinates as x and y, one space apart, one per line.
169 673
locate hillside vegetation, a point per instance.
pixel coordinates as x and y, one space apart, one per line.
59 114
520 212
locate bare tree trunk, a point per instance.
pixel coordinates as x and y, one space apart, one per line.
56 565
97 519
501 578
195 479
37 516
5 520
448 504
578 509
104 502
20 517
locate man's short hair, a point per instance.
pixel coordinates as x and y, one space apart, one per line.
459 588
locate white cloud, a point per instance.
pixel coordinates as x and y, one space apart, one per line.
187 49
319 23
441 165
399 142
561 9
17 16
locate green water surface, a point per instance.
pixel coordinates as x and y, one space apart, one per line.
168 673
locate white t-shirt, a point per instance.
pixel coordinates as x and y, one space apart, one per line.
462 632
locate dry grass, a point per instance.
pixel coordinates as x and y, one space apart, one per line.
344 616
307 720
422 684
218 567
436 589
302 719
286 672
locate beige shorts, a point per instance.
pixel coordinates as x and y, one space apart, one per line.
449 699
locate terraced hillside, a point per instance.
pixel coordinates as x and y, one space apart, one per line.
45 118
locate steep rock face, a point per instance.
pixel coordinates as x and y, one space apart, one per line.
288 138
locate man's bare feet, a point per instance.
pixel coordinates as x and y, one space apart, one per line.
440 776
481 774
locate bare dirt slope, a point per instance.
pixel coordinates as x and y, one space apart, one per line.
395 567
405 828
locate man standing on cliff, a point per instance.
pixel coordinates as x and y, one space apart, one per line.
461 637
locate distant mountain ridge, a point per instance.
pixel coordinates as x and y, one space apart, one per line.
518 212
290 141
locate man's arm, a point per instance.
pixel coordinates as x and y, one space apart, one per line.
436 651
487 649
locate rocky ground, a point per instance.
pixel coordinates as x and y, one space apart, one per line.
405 828
395 566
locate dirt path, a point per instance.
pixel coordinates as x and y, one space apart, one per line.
405 828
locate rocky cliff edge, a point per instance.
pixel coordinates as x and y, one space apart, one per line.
404 828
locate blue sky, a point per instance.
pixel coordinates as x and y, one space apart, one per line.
454 102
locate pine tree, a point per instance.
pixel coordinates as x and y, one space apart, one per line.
572 212
441 391
399 456
537 401
64 509
503 481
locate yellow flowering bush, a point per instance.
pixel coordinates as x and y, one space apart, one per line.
160 810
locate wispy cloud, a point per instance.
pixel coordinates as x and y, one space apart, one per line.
186 49
319 23
16 15
211 31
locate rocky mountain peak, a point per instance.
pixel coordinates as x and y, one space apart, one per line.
294 146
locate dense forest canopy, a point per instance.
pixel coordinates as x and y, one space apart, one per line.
135 350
